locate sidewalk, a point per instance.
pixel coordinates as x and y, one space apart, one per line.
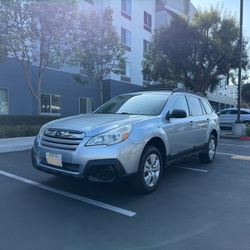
16 144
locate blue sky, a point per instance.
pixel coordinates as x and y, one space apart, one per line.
233 6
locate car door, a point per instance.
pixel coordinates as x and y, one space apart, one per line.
177 130
199 123
225 118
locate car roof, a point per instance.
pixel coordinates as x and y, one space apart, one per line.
243 109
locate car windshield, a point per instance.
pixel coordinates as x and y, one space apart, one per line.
135 104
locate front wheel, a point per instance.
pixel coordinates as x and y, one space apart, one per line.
208 155
149 171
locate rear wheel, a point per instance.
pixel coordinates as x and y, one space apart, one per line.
208 155
149 171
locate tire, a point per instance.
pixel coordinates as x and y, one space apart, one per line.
208 155
149 171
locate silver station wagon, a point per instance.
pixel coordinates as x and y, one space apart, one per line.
133 134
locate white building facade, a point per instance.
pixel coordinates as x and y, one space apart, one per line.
135 22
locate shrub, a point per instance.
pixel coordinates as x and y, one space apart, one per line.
248 131
18 126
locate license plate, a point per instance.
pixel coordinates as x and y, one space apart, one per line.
54 159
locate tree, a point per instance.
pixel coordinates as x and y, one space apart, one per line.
37 33
99 50
245 92
197 54
3 49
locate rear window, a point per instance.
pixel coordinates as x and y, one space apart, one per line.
207 106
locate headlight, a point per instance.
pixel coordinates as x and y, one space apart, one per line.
41 131
111 137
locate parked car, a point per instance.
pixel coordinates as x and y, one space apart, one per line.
133 134
228 116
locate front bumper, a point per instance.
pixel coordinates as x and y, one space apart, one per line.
100 163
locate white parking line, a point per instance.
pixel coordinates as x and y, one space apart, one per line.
241 157
192 169
236 157
70 195
227 154
233 145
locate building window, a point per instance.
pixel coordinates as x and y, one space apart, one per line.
126 38
126 9
50 104
146 47
86 105
4 102
126 72
147 21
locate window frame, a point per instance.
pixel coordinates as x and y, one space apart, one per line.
88 98
127 42
8 101
50 106
125 13
147 17
125 77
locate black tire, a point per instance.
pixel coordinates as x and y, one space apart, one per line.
152 172
208 155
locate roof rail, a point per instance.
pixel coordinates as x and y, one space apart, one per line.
184 90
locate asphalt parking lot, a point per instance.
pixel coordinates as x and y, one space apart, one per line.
196 207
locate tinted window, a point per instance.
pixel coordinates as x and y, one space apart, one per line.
225 112
194 105
138 104
207 107
180 103
244 112
233 112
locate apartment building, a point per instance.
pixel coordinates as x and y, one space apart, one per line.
134 20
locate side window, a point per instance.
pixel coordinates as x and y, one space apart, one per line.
207 107
233 112
180 103
243 112
195 106
225 112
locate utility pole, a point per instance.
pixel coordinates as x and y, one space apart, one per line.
240 63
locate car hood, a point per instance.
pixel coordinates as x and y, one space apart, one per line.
93 124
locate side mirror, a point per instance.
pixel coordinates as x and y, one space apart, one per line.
176 113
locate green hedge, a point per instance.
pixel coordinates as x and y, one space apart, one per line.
248 131
10 120
18 126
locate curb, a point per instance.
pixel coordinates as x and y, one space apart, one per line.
245 138
15 149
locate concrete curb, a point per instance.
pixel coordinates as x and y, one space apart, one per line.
16 144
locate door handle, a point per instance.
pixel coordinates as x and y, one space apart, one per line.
191 123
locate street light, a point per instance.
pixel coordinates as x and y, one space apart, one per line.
240 63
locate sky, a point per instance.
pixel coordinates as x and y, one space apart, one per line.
233 6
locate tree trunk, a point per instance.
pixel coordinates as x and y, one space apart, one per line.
39 83
101 90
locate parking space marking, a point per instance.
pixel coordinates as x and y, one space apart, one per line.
233 145
227 154
70 195
241 157
192 169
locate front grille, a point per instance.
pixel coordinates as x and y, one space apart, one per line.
62 139
65 166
